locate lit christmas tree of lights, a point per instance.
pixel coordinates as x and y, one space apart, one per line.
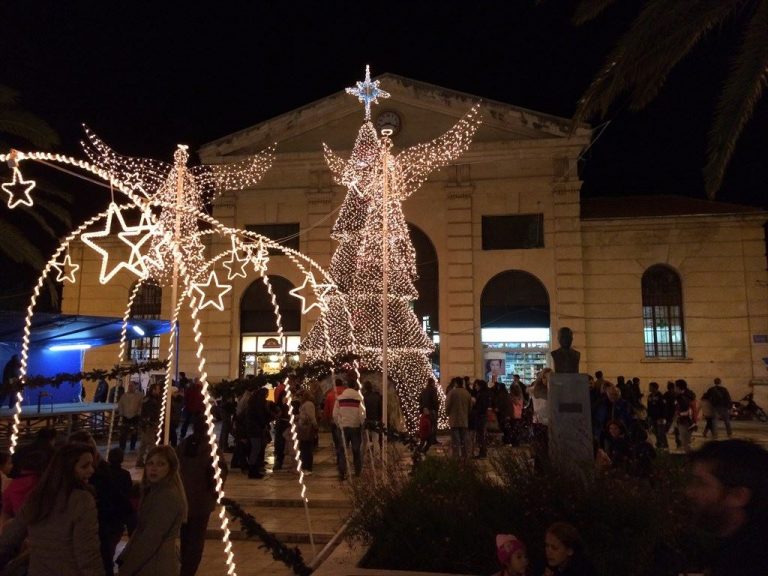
378 183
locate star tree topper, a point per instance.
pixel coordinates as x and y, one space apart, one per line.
368 92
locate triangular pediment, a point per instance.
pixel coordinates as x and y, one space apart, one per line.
424 110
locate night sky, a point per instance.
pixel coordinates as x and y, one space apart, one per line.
148 75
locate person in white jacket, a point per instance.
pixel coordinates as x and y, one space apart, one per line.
349 415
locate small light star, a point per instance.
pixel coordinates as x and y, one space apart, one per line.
368 92
220 289
236 265
18 190
66 270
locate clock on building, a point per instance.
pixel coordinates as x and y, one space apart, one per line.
388 119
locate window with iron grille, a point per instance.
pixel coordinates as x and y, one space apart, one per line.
146 305
663 327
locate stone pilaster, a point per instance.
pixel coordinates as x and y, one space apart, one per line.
458 340
568 299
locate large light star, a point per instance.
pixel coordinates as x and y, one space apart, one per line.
319 292
135 263
18 190
368 92
204 288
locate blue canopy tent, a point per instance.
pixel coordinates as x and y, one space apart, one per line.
58 341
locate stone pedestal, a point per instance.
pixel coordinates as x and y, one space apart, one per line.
570 424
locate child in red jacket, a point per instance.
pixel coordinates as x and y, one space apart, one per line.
425 430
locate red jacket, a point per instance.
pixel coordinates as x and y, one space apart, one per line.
330 400
425 427
193 399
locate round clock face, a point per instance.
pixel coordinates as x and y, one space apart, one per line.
388 120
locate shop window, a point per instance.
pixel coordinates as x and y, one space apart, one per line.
146 305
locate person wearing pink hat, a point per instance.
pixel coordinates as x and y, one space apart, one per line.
511 554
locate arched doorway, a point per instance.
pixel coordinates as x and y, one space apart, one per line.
260 348
427 306
514 318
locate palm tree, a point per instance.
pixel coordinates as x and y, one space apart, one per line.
17 126
662 34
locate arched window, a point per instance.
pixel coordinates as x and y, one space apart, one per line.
663 329
259 346
514 319
147 305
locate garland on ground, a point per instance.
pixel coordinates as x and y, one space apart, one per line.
291 557
95 375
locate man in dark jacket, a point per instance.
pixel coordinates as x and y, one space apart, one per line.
721 401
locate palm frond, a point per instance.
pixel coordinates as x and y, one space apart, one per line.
8 96
662 35
588 10
17 247
741 93
54 209
26 125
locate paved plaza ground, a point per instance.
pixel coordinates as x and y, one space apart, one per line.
275 502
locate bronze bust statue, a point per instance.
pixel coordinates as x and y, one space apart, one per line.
566 358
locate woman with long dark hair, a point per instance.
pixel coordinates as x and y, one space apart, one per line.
151 550
59 518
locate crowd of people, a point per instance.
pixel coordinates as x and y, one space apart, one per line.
66 509
628 426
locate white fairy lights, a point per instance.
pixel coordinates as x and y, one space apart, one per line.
358 262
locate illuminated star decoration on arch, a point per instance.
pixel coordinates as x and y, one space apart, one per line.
18 190
66 270
368 92
211 286
258 255
235 265
136 262
319 293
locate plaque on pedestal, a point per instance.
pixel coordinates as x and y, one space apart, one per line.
570 424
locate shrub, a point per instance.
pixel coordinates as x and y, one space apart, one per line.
445 517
